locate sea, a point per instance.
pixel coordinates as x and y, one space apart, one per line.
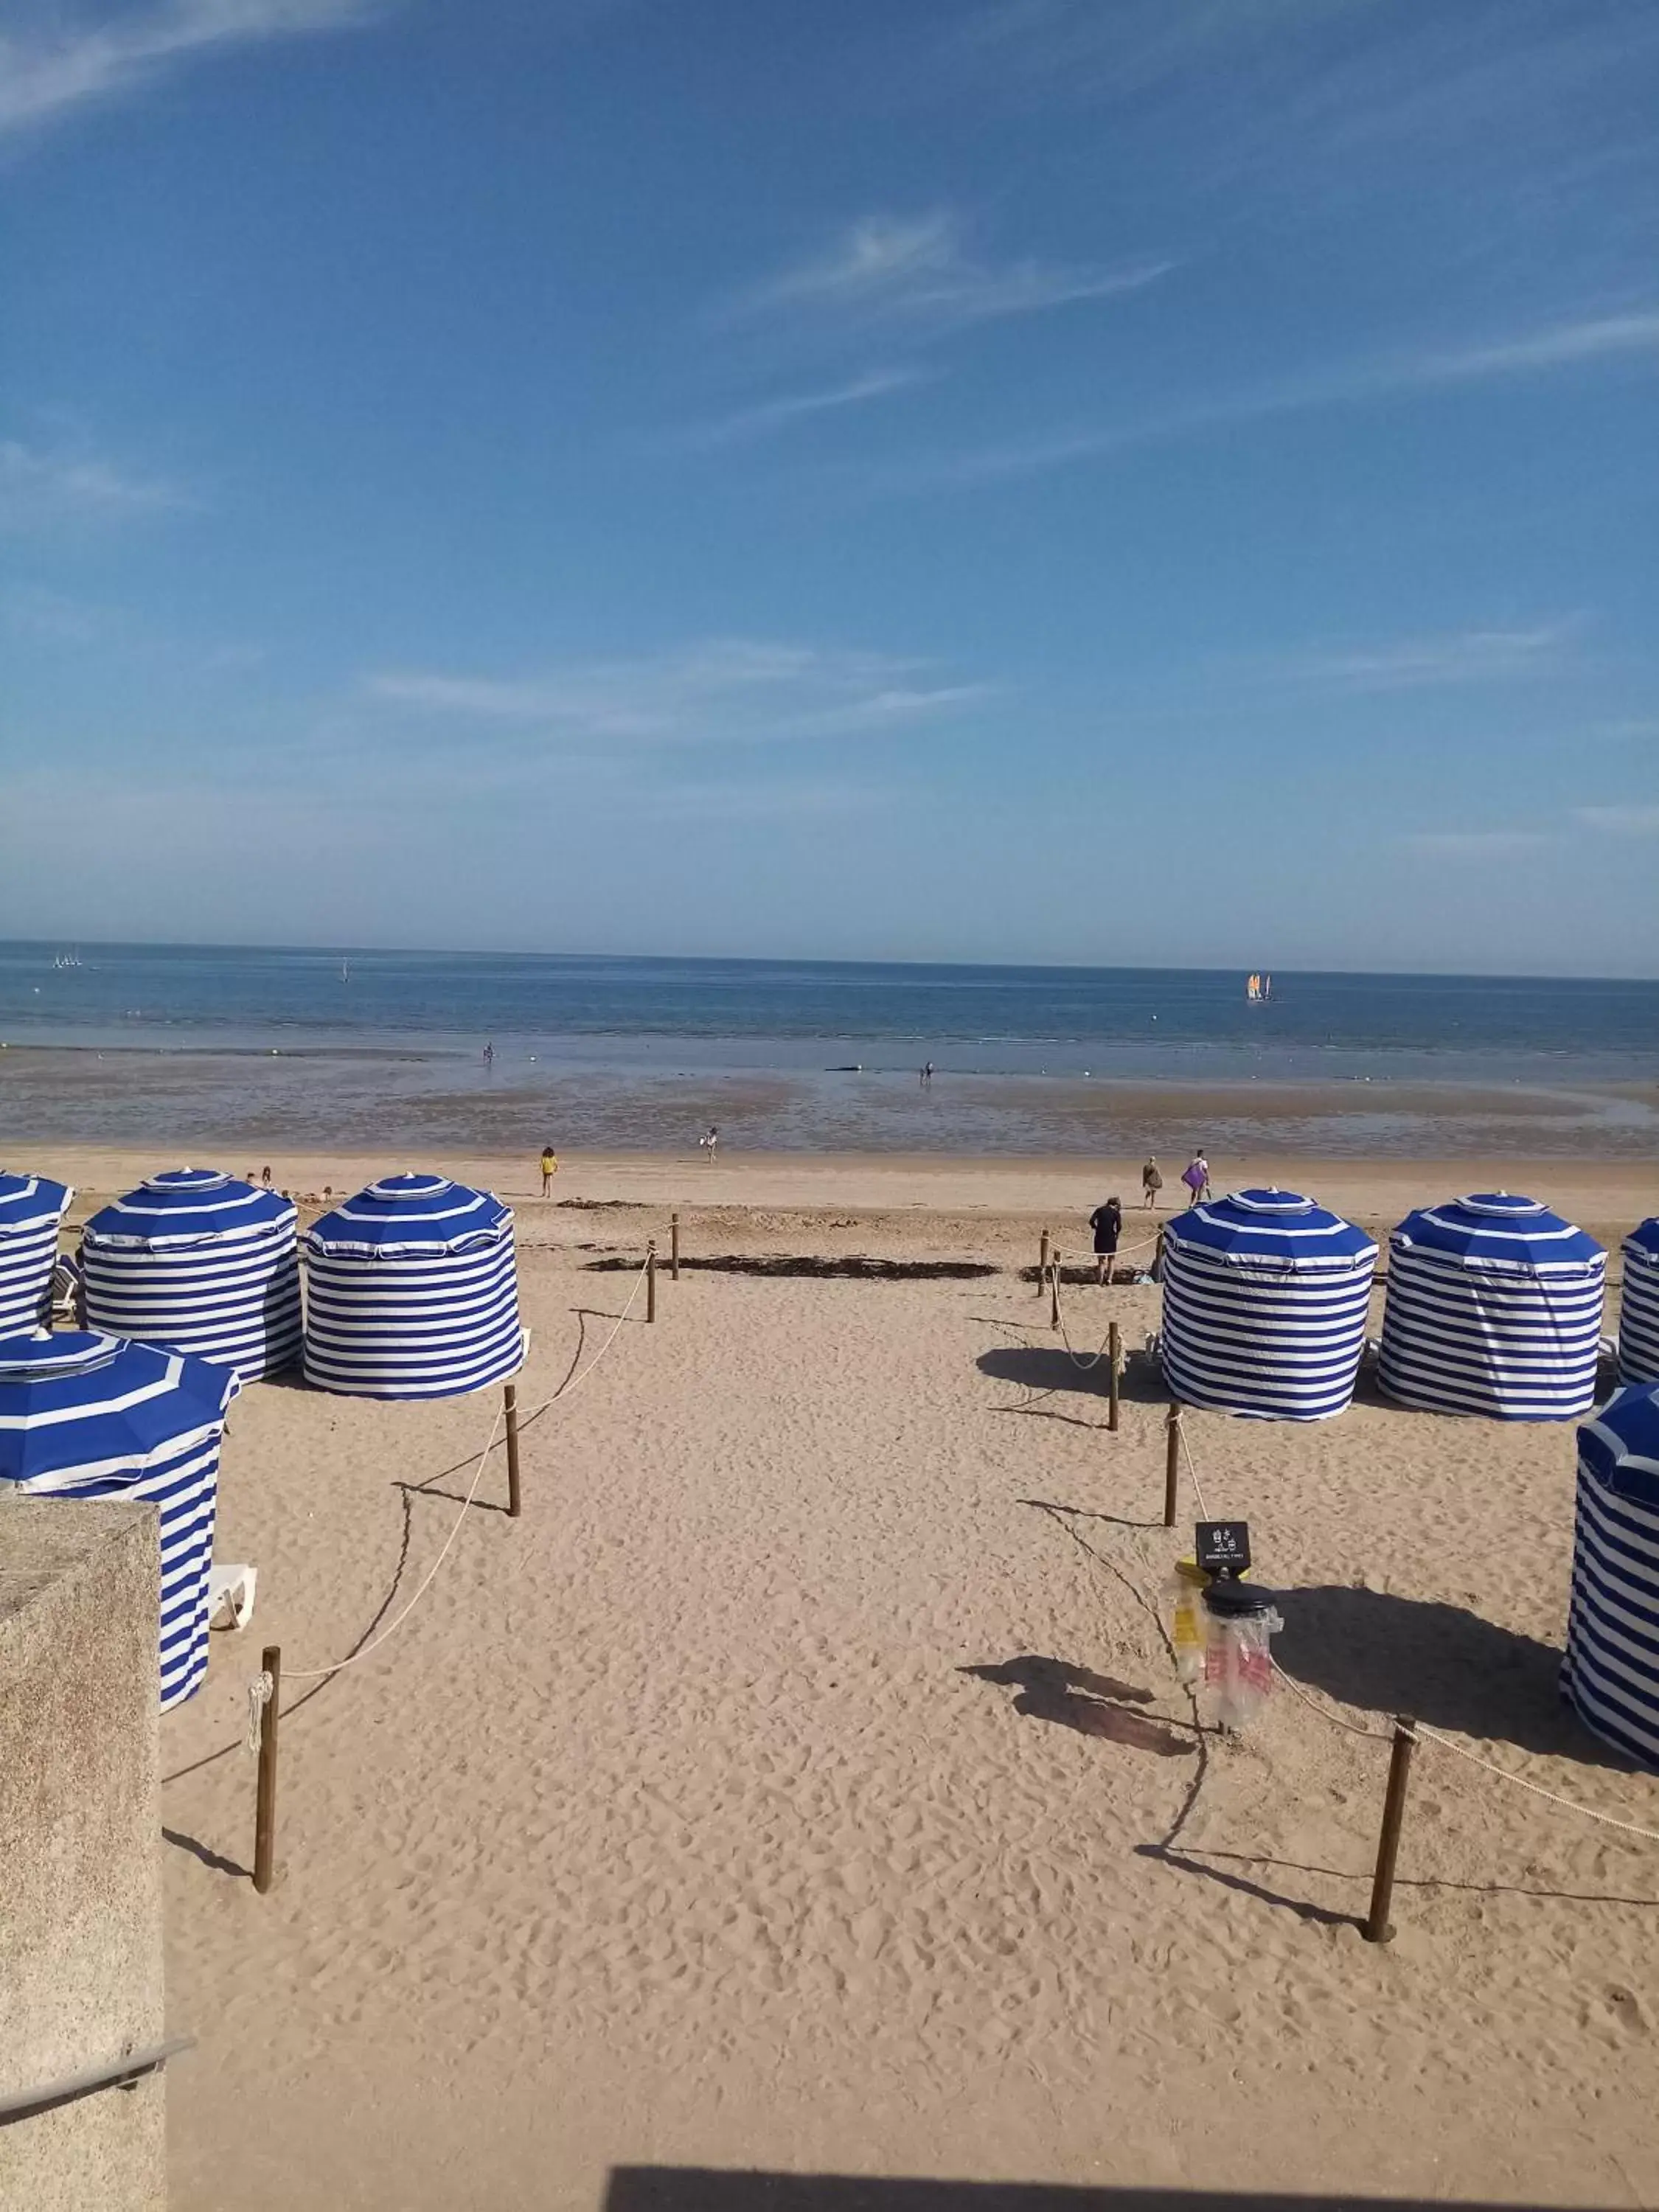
100 1042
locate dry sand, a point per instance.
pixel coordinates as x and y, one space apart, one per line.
670 1830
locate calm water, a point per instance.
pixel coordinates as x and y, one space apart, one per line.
364 1048
1141 1022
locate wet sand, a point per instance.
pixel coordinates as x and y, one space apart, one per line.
415 1102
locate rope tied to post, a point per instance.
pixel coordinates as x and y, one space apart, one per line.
565 1390
258 1697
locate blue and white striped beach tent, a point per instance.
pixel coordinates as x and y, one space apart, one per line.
1264 1299
1638 1306
197 1260
412 1291
30 1211
84 1415
1493 1306
1611 1673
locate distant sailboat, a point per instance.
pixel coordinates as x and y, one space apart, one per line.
1258 989
345 971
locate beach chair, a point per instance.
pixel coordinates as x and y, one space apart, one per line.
230 1594
68 1291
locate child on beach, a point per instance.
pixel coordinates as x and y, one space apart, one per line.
709 1142
550 1169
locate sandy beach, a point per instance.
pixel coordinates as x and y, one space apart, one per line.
803 1785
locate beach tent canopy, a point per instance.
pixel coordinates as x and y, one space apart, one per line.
31 1208
1494 1306
85 1415
412 1291
196 1260
1264 1299
1638 1306
1611 1673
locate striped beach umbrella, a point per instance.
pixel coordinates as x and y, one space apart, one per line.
412 1291
85 1415
1638 1306
1494 1306
31 1208
196 1260
1610 1673
1264 1299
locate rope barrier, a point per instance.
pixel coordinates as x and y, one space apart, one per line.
315 1673
1081 1360
1421 1734
258 1690
1534 1789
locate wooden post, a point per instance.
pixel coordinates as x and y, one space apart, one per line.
1042 1262
265 1815
1171 1463
1377 1928
510 1400
1157 1255
1053 1290
651 1280
674 1247
1115 1355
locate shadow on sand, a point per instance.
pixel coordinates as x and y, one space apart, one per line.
1093 1704
700 2189
1437 1662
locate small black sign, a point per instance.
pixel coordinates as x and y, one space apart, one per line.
1223 1547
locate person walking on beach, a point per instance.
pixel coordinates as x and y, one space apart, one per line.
710 1141
550 1169
1196 1177
1150 1182
489 1055
1107 1223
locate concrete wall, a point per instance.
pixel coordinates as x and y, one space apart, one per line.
80 1848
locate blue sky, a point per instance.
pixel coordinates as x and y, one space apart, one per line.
1148 481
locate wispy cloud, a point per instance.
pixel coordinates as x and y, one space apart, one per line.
1470 656
1474 844
1641 821
43 485
919 275
733 690
101 54
1581 344
1562 345
769 416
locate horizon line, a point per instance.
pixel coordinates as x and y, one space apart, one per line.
342 950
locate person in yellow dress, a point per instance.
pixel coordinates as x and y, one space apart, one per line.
550 1169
